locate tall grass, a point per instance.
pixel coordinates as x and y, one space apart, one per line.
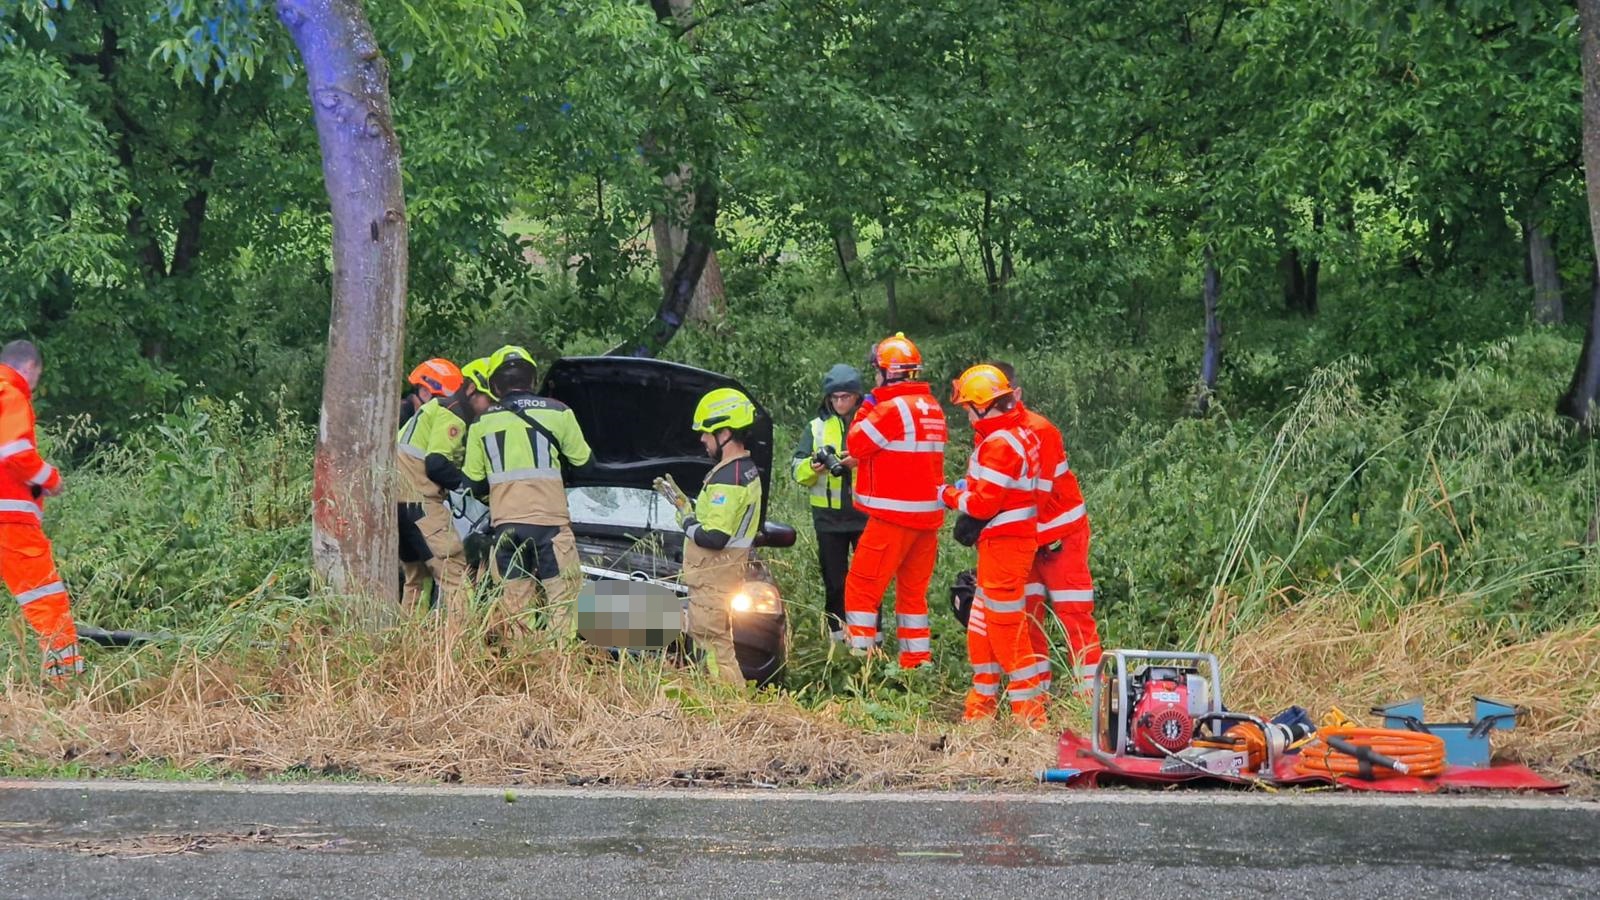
1355 543
292 696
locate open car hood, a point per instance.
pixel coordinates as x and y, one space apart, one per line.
636 415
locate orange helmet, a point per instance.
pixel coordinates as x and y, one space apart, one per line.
438 375
979 386
897 355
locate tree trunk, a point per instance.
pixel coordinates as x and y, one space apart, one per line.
353 510
709 303
1579 401
186 249
1294 280
1543 274
679 292
1583 392
844 261
1299 283
666 254
891 301
991 269
844 245
1309 299
844 248
1211 361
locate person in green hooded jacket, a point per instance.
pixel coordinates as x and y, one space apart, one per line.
833 513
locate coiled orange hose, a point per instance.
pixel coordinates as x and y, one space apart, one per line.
1422 754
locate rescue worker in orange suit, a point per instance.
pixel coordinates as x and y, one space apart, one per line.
998 503
430 450
26 562
1061 570
898 443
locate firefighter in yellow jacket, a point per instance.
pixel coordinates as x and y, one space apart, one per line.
516 453
430 449
720 529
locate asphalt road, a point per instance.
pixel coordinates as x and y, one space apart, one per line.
94 840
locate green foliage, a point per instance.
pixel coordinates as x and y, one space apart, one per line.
63 193
1456 480
1040 179
194 512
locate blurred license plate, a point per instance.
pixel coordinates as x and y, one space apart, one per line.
634 615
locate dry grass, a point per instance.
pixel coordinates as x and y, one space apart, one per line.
406 710
1321 652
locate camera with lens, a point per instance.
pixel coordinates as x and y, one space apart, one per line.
828 458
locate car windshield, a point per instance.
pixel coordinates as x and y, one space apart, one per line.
621 507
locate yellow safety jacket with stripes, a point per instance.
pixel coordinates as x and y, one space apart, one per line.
431 446
832 504
723 528
515 453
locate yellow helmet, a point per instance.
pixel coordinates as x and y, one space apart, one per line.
508 352
979 386
724 408
477 372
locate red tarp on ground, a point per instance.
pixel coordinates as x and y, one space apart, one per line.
1075 754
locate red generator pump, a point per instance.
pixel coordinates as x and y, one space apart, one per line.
1161 717
1152 711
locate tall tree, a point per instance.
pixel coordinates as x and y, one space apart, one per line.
1578 403
669 226
353 522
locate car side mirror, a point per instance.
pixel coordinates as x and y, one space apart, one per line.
775 534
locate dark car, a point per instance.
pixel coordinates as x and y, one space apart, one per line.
636 415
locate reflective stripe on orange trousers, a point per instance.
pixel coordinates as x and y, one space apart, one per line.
998 638
1063 578
29 571
905 555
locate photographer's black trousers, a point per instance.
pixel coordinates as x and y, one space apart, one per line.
833 554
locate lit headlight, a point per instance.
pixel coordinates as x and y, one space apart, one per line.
756 597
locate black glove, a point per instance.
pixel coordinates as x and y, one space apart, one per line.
961 594
968 528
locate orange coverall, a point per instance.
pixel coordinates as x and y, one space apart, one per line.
1001 488
900 444
26 563
1061 569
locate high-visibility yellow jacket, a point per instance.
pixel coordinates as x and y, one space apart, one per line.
431 446
723 528
518 465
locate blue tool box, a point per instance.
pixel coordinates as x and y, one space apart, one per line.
1465 743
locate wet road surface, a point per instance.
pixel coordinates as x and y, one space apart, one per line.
92 840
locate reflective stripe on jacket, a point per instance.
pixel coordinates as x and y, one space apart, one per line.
24 475
833 507
900 445
1061 508
729 506
1002 479
522 466
436 428
826 489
